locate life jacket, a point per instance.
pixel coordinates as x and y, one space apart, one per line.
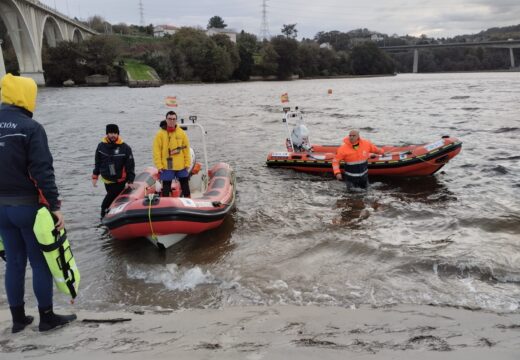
57 252
2 251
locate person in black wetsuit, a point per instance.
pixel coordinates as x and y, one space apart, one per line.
115 163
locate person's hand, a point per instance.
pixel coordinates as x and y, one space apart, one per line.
130 185
373 156
94 182
339 177
2 255
60 222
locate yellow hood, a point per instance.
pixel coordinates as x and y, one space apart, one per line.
19 91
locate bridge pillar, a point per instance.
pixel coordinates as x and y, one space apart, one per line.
36 76
415 61
512 55
2 64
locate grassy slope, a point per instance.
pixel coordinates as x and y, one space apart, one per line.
137 70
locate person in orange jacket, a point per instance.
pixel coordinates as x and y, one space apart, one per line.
354 152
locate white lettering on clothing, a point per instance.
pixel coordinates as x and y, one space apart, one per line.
8 125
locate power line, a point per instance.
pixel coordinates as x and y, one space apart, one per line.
264 28
141 12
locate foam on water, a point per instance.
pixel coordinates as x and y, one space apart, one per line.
172 276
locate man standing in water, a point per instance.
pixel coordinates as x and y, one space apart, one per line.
115 163
355 152
27 183
171 155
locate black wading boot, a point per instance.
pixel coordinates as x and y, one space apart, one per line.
49 320
20 320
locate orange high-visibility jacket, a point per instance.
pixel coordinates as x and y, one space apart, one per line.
354 156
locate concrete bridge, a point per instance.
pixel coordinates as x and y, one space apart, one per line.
506 44
27 22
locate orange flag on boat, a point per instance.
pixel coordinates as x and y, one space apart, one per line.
284 98
171 101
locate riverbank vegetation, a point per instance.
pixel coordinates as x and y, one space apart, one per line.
192 55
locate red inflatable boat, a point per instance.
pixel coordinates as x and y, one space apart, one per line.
141 212
408 160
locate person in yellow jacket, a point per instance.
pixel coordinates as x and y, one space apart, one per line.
354 152
171 155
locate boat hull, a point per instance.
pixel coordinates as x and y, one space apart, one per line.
140 212
411 160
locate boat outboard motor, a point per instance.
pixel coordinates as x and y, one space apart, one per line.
300 138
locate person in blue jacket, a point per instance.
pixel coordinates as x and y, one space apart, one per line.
115 163
26 183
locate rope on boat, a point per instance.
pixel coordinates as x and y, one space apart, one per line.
150 198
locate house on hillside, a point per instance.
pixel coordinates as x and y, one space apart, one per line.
162 30
231 34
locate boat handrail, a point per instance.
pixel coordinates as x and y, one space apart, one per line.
288 113
193 118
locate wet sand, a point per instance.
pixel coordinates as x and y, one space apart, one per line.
277 332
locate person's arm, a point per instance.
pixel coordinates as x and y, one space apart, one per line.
375 150
97 162
157 153
130 166
335 165
41 169
186 152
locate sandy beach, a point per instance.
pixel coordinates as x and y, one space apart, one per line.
277 332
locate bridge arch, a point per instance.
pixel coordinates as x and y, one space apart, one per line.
51 31
20 34
28 23
77 36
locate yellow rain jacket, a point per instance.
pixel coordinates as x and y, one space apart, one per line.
171 144
19 91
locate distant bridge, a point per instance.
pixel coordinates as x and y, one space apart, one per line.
506 44
27 22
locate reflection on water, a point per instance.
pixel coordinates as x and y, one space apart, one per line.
354 208
428 189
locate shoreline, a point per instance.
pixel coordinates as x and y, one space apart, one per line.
273 332
332 77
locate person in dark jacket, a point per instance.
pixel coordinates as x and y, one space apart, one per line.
27 182
115 164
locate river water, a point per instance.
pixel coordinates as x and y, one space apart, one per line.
451 239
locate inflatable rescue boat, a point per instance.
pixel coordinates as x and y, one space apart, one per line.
140 211
408 160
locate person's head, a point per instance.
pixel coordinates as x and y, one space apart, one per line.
353 136
19 91
171 119
112 132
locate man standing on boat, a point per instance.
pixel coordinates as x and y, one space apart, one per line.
355 152
115 164
171 155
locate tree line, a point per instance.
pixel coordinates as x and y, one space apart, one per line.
191 55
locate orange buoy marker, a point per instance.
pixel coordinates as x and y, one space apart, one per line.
171 101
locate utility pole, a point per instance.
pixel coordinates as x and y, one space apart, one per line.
141 12
264 28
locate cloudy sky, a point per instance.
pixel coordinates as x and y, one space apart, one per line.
435 18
